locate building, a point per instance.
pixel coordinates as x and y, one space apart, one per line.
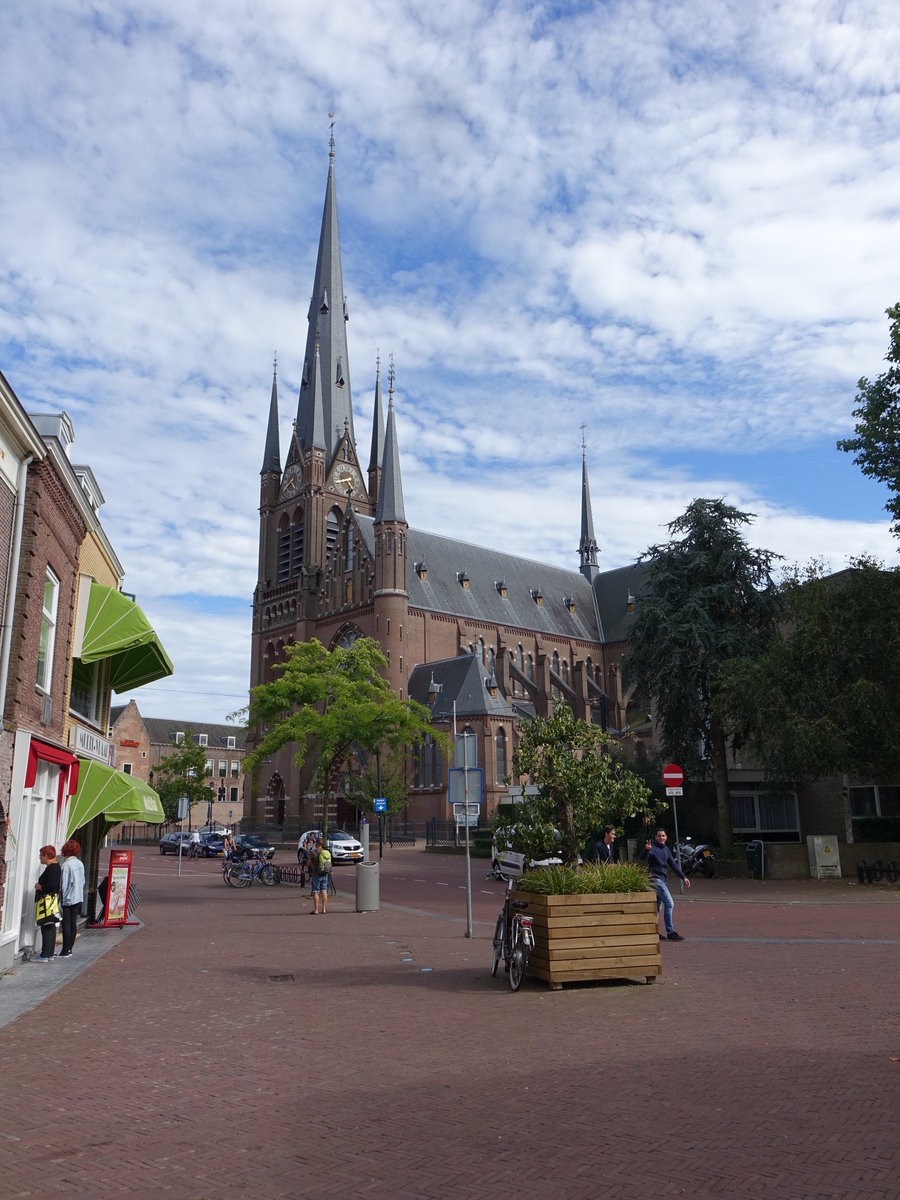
338 559
142 743
71 638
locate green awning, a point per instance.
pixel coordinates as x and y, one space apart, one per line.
118 796
115 628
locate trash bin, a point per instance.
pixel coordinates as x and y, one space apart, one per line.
367 887
756 859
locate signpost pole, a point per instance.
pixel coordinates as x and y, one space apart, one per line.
468 849
673 778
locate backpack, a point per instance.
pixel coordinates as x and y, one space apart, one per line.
324 862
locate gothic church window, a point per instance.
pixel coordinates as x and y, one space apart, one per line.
297 544
500 754
284 551
332 529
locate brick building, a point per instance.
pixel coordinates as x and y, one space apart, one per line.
339 559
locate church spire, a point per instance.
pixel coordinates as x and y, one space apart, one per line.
390 492
328 331
587 547
272 455
377 454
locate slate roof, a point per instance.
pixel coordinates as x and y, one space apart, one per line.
441 592
461 679
162 730
612 589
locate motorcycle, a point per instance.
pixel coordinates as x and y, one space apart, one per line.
696 858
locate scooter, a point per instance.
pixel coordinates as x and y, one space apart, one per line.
694 858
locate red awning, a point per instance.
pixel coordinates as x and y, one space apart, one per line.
64 759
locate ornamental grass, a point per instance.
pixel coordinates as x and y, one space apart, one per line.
589 879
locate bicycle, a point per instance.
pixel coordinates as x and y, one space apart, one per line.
513 938
242 872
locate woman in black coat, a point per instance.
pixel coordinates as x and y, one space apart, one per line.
48 884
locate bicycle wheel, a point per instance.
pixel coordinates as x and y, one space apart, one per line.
498 945
268 876
239 877
518 965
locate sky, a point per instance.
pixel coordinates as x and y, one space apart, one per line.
670 230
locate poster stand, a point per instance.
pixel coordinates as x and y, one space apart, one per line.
115 908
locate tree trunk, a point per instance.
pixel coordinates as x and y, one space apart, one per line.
720 774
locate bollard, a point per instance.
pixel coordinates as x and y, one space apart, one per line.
367 887
861 870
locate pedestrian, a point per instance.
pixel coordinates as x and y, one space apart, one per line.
320 864
604 851
228 846
658 857
72 894
46 902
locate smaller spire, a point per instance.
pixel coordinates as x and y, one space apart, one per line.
390 494
587 547
272 455
377 453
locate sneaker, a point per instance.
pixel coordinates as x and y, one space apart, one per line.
64 954
675 937
662 937
39 958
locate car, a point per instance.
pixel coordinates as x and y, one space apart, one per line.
216 830
507 863
249 843
212 844
169 842
343 846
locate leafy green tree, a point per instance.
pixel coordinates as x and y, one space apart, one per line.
327 702
824 697
582 786
390 775
708 598
876 447
182 774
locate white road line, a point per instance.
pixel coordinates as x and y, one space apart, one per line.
437 883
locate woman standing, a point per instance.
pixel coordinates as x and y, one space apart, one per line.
47 886
72 894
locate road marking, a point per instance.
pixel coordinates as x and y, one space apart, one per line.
438 883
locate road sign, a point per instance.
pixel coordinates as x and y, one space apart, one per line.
466 785
673 776
381 804
674 791
463 811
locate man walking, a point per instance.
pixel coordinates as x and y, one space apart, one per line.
321 870
658 857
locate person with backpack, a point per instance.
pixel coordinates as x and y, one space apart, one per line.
321 871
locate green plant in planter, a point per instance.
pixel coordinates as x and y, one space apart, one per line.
581 788
589 880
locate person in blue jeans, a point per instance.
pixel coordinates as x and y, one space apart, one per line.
658 857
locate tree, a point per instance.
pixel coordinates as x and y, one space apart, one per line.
824 697
389 775
182 774
876 446
582 786
708 598
326 702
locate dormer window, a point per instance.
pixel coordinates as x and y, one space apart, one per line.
202 739
569 602
230 743
629 603
537 596
422 570
323 307
463 578
500 585
179 738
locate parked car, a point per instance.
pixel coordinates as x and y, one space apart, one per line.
250 843
169 842
217 830
343 846
211 844
507 863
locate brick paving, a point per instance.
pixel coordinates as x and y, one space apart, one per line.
184 1061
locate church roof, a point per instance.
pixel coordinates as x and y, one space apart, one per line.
390 491
612 590
449 563
461 679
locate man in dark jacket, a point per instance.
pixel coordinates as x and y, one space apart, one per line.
604 851
658 857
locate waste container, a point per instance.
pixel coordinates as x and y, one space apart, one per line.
367 887
756 859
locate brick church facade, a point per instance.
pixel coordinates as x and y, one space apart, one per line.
503 637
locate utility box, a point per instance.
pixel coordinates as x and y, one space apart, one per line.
824 857
756 859
367 899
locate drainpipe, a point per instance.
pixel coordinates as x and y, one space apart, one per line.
12 581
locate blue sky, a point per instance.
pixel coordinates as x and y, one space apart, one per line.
674 224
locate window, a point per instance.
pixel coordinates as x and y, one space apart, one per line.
332 529
500 751
179 739
389 543
349 558
229 743
769 815
235 768
126 768
48 632
202 739
284 551
234 795
208 770
223 766
297 545
86 696
876 800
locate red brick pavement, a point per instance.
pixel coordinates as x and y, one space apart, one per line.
764 1064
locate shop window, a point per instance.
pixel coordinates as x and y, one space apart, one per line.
875 800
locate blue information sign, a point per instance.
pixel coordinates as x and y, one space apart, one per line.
380 804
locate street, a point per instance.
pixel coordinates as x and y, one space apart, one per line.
235 1042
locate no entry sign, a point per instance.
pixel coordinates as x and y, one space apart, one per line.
673 776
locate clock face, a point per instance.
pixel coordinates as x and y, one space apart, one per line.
346 478
290 484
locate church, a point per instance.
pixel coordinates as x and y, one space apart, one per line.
496 638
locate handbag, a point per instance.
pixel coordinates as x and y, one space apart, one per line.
47 908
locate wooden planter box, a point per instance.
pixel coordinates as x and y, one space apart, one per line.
613 936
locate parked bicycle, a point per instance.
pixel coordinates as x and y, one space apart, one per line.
241 872
513 938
